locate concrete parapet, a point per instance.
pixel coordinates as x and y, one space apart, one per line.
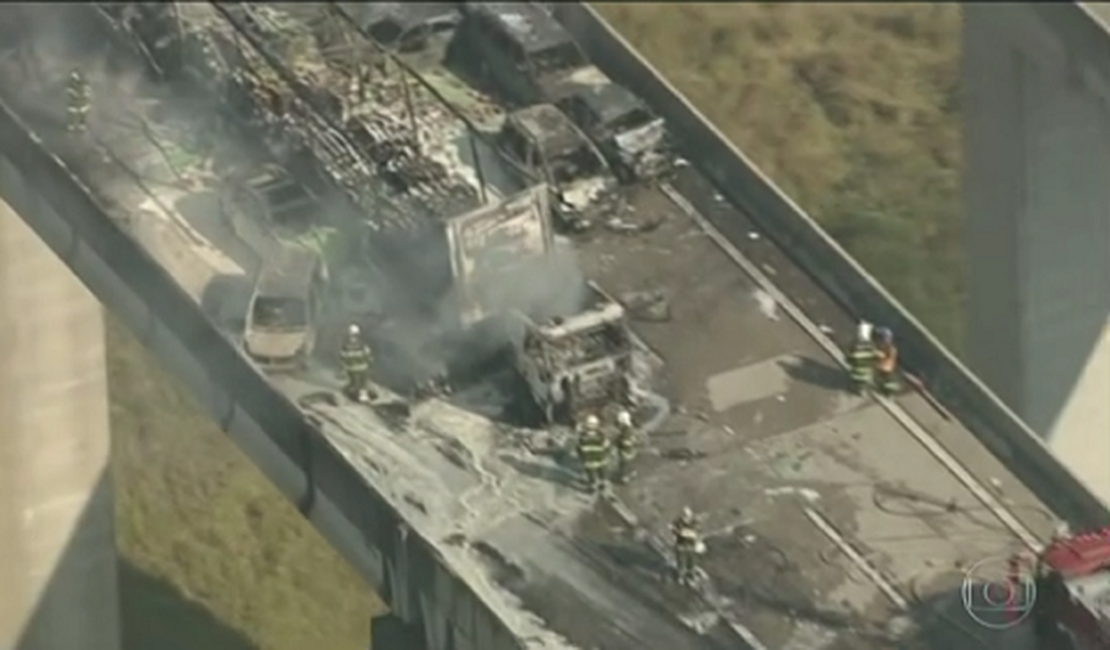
737 178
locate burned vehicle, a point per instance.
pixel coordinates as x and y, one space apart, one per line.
453 260
267 207
631 137
282 315
404 27
578 364
520 48
546 144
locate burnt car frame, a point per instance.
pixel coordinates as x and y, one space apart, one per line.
284 309
405 27
627 132
520 49
548 145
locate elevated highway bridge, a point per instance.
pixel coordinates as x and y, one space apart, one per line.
834 521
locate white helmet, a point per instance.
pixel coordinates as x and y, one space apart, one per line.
863 332
687 514
353 330
624 418
592 422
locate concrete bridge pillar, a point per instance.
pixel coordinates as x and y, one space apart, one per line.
1037 192
58 580
390 632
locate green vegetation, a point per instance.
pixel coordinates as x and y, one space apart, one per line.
853 109
214 557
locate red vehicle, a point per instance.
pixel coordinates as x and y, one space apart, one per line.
1072 608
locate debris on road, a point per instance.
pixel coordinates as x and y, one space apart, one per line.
651 306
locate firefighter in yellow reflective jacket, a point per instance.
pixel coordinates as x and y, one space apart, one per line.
78 103
593 451
626 445
687 545
862 357
356 357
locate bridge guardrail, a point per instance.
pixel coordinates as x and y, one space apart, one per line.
738 179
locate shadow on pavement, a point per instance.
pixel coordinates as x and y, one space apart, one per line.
156 615
816 373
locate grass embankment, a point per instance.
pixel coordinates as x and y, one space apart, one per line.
853 109
215 558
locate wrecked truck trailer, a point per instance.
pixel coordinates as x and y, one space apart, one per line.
544 142
458 260
579 364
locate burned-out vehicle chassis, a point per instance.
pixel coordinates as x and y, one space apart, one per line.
545 143
631 137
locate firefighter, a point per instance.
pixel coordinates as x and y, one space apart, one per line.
78 103
626 446
687 545
355 356
593 451
862 358
886 365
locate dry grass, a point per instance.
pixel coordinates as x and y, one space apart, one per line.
853 109
202 530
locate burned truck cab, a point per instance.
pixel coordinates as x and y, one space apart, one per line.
544 142
580 363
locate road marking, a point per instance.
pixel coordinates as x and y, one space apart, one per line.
858 560
961 474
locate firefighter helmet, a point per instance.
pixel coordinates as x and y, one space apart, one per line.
353 330
592 423
624 418
863 331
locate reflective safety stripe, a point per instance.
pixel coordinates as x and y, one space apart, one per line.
355 359
593 451
686 537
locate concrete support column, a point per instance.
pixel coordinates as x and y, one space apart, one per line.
58 576
388 632
1037 192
